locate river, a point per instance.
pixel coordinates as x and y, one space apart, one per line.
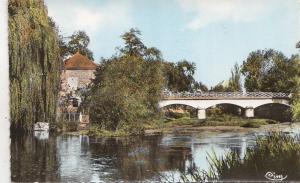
68 158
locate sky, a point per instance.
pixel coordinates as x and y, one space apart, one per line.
214 34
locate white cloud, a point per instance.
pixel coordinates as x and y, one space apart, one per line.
206 12
83 16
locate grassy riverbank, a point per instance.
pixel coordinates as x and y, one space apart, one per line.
168 125
225 120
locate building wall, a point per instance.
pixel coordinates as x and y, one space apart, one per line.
71 80
78 78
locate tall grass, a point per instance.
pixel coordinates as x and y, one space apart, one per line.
277 152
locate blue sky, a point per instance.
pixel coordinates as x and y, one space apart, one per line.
212 33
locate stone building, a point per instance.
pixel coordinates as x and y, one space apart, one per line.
77 73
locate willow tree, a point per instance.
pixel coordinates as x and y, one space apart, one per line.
34 63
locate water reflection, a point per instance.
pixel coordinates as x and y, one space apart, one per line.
41 135
135 158
33 159
83 159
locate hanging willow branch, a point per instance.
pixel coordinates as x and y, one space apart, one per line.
34 63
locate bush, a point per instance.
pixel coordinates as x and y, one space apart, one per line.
255 123
177 115
183 121
66 126
271 121
250 125
97 130
216 111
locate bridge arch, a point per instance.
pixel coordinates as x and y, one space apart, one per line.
274 111
190 103
225 103
269 103
168 105
179 110
225 108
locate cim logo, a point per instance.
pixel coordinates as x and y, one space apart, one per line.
274 177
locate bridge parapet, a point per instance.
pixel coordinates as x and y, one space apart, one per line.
229 95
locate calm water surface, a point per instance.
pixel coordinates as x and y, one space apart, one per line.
65 158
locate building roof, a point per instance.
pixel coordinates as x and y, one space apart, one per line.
79 62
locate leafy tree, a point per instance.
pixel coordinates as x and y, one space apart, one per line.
234 84
231 85
78 42
298 45
199 86
179 76
133 44
296 89
34 63
127 87
218 88
63 47
268 71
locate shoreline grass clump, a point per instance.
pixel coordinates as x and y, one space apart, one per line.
226 120
276 152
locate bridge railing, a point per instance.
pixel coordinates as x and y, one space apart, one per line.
168 94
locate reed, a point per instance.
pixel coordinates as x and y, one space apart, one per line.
276 152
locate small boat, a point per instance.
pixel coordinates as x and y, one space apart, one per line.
41 126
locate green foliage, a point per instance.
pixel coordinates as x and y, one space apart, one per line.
79 42
271 121
127 88
276 152
296 91
198 85
176 115
66 126
182 121
214 111
268 71
231 85
34 63
298 44
235 80
218 88
133 44
224 120
179 76
296 110
96 130
251 125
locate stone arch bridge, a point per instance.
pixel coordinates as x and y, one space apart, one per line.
247 100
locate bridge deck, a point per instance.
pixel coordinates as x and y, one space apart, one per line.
225 95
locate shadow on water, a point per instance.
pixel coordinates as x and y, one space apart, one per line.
33 159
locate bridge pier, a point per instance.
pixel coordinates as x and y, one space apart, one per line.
249 112
201 114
